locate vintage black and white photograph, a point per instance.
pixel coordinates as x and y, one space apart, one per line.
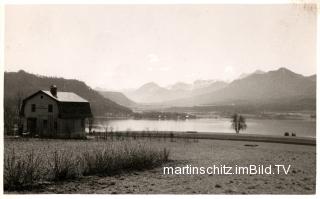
160 99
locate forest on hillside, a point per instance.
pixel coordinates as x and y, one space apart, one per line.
19 85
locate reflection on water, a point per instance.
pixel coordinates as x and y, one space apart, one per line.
303 128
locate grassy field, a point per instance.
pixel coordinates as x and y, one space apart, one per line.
30 162
301 178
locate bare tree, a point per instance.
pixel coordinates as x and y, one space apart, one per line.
18 104
90 124
238 122
8 119
11 111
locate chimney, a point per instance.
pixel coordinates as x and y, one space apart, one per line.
53 90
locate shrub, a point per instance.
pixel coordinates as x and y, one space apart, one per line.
165 154
112 161
96 162
62 166
82 158
21 172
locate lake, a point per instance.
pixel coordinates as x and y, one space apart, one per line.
302 128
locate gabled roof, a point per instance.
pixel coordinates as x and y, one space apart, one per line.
70 105
65 97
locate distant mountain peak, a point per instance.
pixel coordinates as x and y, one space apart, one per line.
204 81
200 83
150 84
243 75
150 87
22 71
284 70
258 72
180 86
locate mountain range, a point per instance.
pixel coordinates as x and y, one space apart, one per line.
280 86
277 89
153 93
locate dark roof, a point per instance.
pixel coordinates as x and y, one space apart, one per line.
70 105
74 109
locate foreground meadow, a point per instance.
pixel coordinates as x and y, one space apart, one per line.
30 163
180 152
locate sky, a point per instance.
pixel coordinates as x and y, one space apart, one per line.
124 46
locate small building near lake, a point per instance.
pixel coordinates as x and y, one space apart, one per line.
55 114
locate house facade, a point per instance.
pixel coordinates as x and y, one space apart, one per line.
55 114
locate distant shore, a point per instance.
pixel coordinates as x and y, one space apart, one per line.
201 135
214 136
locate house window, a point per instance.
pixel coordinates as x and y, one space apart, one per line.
41 97
45 124
33 108
50 108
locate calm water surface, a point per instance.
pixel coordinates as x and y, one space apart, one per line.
304 128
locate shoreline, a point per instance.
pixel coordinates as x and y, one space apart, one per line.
215 136
193 135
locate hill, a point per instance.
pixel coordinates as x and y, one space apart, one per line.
22 84
118 97
313 78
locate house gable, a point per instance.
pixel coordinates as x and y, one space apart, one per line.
41 103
